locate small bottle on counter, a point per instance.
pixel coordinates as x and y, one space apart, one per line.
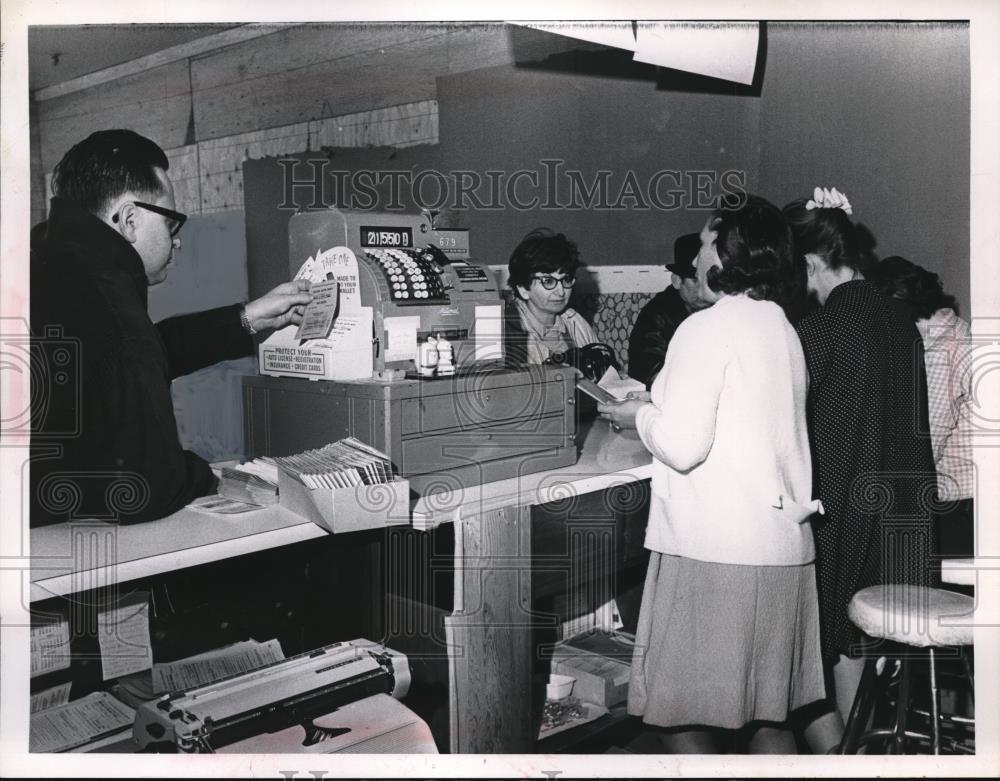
446 356
427 357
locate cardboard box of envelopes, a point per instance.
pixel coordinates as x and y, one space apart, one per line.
341 510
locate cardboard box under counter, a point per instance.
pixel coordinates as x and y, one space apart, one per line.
340 510
601 678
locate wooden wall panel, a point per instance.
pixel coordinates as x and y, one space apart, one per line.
39 188
319 71
186 178
399 126
221 160
314 72
300 88
155 103
298 48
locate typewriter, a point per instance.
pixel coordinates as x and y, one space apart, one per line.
292 698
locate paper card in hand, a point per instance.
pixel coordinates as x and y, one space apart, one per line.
595 391
317 320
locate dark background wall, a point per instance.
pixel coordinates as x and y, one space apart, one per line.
879 111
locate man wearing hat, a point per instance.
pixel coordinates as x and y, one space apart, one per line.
656 323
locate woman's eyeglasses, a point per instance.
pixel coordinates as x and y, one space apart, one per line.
175 220
549 283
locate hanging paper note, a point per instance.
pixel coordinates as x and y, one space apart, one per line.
123 635
49 647
50 698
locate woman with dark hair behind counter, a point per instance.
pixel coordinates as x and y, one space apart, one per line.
539 323
728 632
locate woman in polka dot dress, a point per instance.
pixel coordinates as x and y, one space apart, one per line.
873 465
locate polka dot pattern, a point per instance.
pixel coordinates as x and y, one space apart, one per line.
871 454
613 315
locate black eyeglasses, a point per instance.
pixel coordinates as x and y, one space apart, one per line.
175 220
549 283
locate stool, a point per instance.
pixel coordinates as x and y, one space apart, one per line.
904 619
959 572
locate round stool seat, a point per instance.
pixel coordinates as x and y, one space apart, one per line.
960 572
914 615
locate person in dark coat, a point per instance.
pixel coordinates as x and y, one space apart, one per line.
659 318
873 464
104 439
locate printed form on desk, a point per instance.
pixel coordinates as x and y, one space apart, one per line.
78 722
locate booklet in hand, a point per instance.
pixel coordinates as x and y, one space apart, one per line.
595 391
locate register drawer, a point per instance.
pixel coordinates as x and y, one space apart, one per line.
462 448
478 407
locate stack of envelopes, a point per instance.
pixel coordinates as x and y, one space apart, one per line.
255 482
341 464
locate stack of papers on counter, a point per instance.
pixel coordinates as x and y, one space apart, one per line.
255 482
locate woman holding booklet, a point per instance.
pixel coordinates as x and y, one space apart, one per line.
728 632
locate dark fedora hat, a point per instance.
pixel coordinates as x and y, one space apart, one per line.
686 249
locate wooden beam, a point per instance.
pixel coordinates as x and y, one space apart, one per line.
155 103
182 51
315 72
490 636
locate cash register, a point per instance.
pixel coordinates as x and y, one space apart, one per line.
403 281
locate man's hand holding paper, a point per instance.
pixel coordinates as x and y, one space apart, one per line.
318 317
283 305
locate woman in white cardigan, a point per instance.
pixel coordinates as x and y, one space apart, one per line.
728 634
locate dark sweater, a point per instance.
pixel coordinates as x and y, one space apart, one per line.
104 438
652 332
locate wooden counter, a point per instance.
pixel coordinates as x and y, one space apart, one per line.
481 646
73 557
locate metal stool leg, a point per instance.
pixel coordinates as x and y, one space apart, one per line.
935 714
898 746
968 675
864 701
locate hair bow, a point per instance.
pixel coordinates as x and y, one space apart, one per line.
824 198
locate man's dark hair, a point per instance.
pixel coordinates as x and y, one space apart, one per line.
542 251
916 288
754 244
106 165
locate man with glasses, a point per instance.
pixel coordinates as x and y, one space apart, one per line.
104 438
541 326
